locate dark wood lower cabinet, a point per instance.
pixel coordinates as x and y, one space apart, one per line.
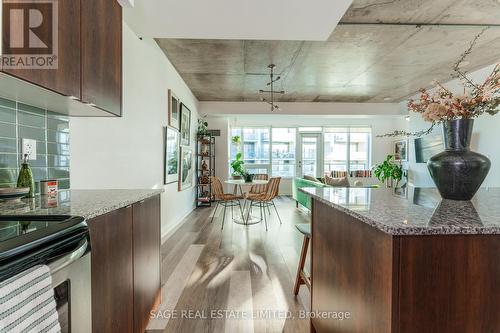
112 272
125 267
401 284
147 284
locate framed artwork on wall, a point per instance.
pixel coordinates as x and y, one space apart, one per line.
185 127
173 110
171 162
401 150
186 172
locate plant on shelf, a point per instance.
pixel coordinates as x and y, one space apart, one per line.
388 171
237 166
236 140
203 127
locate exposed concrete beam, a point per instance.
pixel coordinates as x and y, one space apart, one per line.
417 25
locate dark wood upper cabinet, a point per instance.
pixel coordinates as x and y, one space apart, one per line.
147 284
101 47
65 79
112 272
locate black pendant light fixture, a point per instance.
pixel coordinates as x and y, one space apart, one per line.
271 92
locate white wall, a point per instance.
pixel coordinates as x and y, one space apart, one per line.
485 139
127 152
381 124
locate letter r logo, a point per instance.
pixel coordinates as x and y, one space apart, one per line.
30 26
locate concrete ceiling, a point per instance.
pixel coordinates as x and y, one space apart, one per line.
382 51
236 19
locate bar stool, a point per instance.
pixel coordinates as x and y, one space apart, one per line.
302 278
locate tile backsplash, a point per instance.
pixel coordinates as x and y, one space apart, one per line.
51 132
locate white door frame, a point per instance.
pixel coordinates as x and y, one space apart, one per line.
319 152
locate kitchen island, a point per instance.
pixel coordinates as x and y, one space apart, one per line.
404 261
124 227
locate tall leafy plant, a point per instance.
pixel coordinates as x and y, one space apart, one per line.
389 170
237 166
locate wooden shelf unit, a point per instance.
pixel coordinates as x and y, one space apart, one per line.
205 151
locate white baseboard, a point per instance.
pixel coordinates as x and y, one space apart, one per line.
170 231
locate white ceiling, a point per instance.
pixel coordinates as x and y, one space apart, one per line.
312 20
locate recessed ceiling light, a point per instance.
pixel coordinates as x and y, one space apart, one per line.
387 98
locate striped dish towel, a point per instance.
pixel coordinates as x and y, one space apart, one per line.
27 302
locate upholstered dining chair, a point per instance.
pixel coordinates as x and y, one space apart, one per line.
266 199
224 199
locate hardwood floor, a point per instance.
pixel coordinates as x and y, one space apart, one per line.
239 279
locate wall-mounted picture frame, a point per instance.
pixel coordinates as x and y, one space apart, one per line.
185 126
171 161
174 106
186 171
401 150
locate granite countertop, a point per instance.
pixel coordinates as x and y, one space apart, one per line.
85 203
415 211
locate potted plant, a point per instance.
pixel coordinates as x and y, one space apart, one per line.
236 140
202 127
248 177
389 171
237 166
457 172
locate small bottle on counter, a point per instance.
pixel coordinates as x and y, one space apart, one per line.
48 187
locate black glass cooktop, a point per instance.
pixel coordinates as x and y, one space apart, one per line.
27 240
16 228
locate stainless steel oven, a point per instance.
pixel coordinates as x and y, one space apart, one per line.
61 243
72 289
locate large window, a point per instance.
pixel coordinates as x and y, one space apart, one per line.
359 157
254 145
335 145
273 150
283 152
337 155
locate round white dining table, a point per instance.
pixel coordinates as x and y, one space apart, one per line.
242 184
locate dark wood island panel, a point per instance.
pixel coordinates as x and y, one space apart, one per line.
351 272
399 283
449 283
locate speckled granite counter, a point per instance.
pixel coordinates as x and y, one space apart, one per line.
419 211
85 203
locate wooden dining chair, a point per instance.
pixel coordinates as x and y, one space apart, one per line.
266 199
224 199
261 188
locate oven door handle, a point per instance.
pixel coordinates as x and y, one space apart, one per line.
69 258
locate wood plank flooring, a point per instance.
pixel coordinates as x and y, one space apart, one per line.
239 279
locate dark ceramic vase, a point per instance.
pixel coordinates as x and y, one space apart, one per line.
458 172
